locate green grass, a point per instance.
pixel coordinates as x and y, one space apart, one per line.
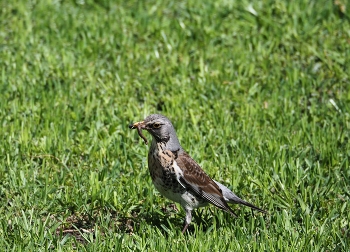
258 91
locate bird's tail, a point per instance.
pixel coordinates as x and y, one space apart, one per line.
230 197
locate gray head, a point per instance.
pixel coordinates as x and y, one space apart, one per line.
161 129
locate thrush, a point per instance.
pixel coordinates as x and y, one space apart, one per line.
177 176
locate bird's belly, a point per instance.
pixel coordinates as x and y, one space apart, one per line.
180 195
172 192
191 201
169 188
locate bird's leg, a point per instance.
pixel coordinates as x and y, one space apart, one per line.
188 219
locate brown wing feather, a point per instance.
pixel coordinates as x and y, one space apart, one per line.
197 181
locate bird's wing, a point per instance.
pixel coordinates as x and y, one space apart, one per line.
194 179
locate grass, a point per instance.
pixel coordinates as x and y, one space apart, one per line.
258 91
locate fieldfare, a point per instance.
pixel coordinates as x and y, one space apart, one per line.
177 176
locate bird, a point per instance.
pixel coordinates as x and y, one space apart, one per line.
177 176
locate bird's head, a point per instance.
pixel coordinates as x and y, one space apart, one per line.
161 129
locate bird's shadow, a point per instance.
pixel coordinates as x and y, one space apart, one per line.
170 222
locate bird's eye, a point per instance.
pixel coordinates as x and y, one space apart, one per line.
156 125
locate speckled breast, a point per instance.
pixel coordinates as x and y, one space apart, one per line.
160 164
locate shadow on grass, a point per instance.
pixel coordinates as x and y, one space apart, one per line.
82 226
168 221
172 220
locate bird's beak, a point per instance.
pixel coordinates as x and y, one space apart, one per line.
137 125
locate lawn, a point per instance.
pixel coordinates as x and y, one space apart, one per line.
258 91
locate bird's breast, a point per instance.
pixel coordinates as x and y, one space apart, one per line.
163 173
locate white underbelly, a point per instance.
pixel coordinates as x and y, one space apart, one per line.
186 199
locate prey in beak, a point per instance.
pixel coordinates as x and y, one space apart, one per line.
139 126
